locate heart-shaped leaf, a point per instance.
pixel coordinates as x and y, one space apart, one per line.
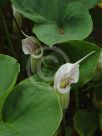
8 75
56 21
31 109
71 25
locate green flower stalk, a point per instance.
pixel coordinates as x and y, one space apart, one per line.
18 19
100 61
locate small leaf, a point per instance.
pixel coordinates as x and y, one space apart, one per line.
86 122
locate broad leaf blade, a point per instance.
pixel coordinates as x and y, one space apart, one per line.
71 25
56 21
8 130
33 109
37 10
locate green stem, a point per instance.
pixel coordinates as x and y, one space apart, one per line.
62 127
63 124
7 34
77 106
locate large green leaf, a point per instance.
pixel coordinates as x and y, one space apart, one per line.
77 50
37 10
71 25
8 74
56 21
31 109
86 122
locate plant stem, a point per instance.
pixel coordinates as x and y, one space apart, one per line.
7 34
77 99
63 125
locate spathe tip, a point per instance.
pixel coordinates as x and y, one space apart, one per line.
85 57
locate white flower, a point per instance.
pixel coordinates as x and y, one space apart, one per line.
32 46
66 75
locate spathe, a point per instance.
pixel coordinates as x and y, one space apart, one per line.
66 75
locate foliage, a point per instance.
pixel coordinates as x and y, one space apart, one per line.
51 33
58 18
27 108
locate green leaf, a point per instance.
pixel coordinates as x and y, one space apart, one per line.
37 10
71 25
77 50
31 109
8 75
8 72
86 122
56 21
87 3
73 51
